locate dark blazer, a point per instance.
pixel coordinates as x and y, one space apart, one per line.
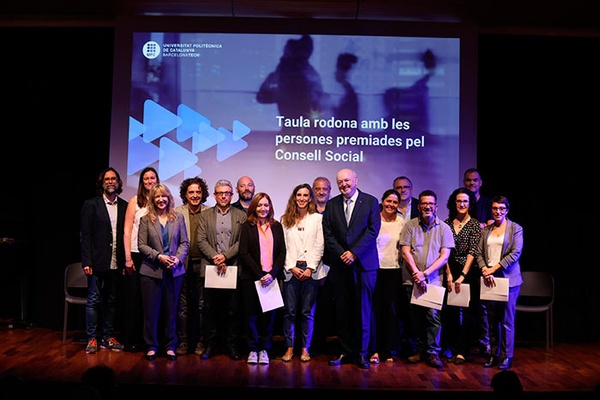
250 252
151 246
360 236
207 237
414 207
96 234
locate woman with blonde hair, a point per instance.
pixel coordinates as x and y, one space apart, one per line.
164 244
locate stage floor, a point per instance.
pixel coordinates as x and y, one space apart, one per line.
40 359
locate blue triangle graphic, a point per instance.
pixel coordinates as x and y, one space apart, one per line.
158 121
192 171
141 154
239 130
229 147
205 138
173 159
136 128
190 122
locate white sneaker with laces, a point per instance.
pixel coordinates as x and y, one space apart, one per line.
252 357
263 357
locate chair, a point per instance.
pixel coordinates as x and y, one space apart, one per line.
75 281
537 295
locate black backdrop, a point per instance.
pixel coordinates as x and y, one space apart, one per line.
537 109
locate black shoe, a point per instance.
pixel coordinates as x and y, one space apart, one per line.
342 359
491 362
171 356
151 355
235 355
506 363
363 362
208 353
434 361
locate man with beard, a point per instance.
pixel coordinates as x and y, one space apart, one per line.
103 257
245 190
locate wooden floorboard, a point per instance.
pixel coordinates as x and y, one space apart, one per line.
38 356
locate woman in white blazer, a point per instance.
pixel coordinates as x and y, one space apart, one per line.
303 269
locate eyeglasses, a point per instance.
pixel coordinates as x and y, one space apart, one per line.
223 193
462 201
499 209
427 204
402 187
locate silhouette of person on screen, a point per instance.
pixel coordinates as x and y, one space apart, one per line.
347 107
295 85
411 103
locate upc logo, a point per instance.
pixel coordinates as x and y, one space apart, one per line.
151 50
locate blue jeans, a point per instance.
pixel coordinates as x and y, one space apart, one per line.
304 295
102 287
427 328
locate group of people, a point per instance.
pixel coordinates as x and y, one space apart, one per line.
374 255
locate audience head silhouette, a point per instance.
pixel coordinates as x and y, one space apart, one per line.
507 385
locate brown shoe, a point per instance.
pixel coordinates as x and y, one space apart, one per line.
305 357
182 349
199 349
289 354
415 359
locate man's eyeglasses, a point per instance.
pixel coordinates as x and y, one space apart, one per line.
427 204
402 187
223 193
499 209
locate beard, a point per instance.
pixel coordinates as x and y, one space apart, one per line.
246 195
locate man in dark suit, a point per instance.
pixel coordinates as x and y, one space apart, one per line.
351 223
103 257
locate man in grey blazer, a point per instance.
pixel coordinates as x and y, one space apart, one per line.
218 239
352 249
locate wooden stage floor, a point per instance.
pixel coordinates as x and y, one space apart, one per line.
38 357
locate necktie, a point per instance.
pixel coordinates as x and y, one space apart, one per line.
348 202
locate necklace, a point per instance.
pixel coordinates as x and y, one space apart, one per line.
463 223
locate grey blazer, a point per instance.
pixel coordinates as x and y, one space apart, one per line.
511 252
150 245
207 237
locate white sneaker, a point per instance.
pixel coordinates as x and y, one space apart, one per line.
252 358
263 357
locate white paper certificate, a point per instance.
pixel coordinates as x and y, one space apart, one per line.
226 281
432 298
496 293
269 296
460 299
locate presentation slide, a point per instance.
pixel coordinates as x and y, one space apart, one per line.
286 108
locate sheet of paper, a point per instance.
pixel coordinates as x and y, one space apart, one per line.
497 293
460 299
226 281
432 298
269 296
